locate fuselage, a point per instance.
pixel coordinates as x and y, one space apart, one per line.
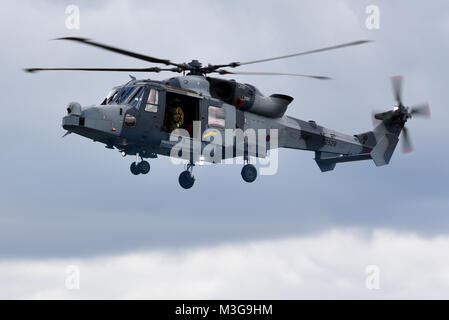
137 118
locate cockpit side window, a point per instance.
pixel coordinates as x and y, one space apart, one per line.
152 101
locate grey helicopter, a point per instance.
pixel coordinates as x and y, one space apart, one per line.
139 117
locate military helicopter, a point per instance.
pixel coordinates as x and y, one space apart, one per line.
138 117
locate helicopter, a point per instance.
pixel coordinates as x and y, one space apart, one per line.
140 118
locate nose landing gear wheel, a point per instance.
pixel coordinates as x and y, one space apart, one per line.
143 167
249 173
186 179
134 169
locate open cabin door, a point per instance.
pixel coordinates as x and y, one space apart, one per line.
181 110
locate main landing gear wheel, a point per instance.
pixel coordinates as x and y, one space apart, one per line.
134 169
144 167
186 178
249 173
139 166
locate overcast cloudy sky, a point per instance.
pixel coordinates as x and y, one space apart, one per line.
297 234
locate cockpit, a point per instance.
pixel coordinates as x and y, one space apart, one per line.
133 96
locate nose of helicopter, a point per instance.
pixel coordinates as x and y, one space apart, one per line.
92 119
73 118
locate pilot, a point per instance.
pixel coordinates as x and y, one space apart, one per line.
175 118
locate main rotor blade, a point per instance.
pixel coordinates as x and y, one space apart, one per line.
153 69
235 64
406 144
396 82
121 51
421 110
275 74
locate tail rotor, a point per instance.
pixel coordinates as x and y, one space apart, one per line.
400 113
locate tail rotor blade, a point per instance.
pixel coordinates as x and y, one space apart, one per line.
421 110
406 143
396 81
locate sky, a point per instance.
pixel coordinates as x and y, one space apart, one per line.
297 234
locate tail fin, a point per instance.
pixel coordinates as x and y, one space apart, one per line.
383 150
383 139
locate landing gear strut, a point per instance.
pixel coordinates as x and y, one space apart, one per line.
139 166
186 178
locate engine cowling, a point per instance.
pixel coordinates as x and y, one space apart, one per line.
248 98
273 106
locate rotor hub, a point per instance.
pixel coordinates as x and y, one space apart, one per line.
195 67
195 64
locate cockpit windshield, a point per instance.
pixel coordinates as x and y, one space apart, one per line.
123 95
112 95
129 95
137 98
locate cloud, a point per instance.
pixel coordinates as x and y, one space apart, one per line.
328 265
